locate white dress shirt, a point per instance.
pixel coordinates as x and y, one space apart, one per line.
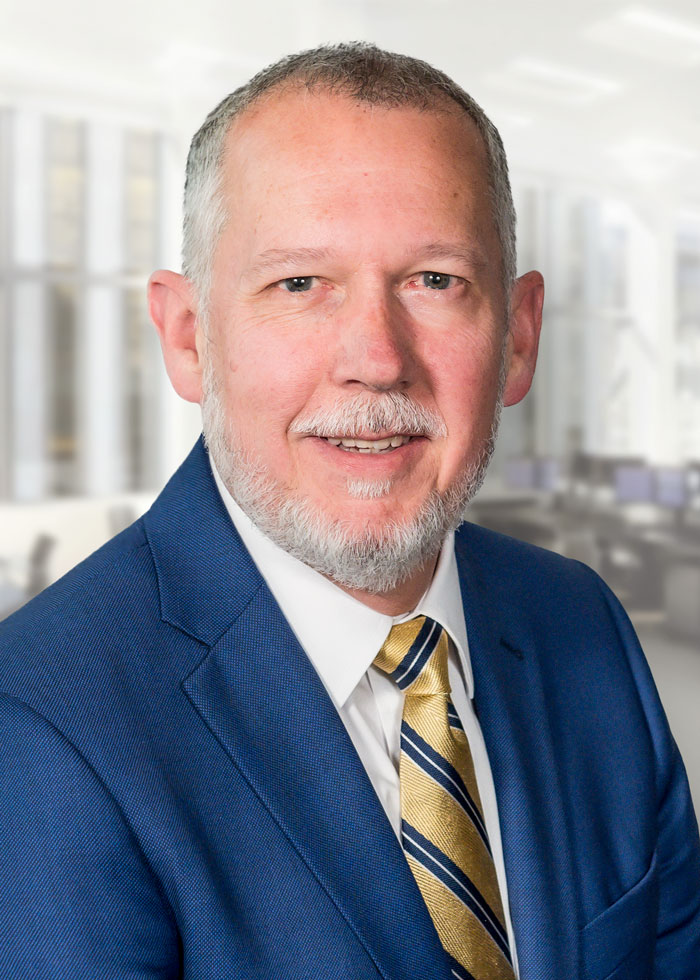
341 637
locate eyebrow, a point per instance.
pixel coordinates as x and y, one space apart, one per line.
473 256
272 258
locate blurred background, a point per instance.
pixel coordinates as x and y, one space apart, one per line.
598 107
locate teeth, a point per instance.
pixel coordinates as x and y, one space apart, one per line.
371 445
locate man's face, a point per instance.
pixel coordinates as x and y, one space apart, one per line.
359 257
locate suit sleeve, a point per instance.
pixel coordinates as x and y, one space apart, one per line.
678 846
77 898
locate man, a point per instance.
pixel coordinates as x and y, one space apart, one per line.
289 725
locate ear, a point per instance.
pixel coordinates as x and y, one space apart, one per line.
527 297
172 307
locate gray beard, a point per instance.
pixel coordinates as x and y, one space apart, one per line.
371 559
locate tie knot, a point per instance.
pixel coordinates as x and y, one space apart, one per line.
414 655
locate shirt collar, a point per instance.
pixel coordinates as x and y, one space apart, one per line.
443 603
341 635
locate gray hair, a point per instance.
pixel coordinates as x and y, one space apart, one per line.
357 70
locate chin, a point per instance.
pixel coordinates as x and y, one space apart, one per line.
362 554
359 553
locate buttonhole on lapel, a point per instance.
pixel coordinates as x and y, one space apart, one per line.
516 651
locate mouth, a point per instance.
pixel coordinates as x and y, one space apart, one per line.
385 445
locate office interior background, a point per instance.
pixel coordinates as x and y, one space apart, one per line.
598 108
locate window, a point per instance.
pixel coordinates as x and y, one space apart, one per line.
82 368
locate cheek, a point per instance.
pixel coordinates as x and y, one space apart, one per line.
267 383
465 370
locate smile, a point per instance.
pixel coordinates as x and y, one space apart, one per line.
370 445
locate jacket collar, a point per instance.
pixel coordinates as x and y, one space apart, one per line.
205 575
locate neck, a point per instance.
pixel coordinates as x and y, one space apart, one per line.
404 598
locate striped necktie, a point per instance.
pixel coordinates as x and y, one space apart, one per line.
442 826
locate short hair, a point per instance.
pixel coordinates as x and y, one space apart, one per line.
357 70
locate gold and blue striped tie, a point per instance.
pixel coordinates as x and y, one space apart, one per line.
442 825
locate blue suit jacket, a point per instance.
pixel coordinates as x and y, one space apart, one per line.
179 798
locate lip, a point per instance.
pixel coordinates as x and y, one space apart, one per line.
376 463
371 436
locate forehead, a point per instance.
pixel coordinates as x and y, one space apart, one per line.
296 129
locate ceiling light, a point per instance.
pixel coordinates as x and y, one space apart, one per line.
651 160
556 83
652 20
650 34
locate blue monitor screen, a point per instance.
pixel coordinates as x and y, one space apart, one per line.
548 474
671 487
634 484
521 473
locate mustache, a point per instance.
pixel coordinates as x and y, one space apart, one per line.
391 411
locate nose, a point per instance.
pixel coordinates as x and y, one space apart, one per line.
374 348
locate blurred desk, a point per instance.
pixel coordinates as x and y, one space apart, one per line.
682 591
521 515
41 541
651 560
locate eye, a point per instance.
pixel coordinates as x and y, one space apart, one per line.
437 280
297 284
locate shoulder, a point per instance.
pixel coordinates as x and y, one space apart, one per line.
522 569
93 637
101 588
586 650
560 609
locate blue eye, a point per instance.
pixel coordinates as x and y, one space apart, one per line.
297 284
436 280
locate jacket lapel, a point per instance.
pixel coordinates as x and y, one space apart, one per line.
261 698
509 698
